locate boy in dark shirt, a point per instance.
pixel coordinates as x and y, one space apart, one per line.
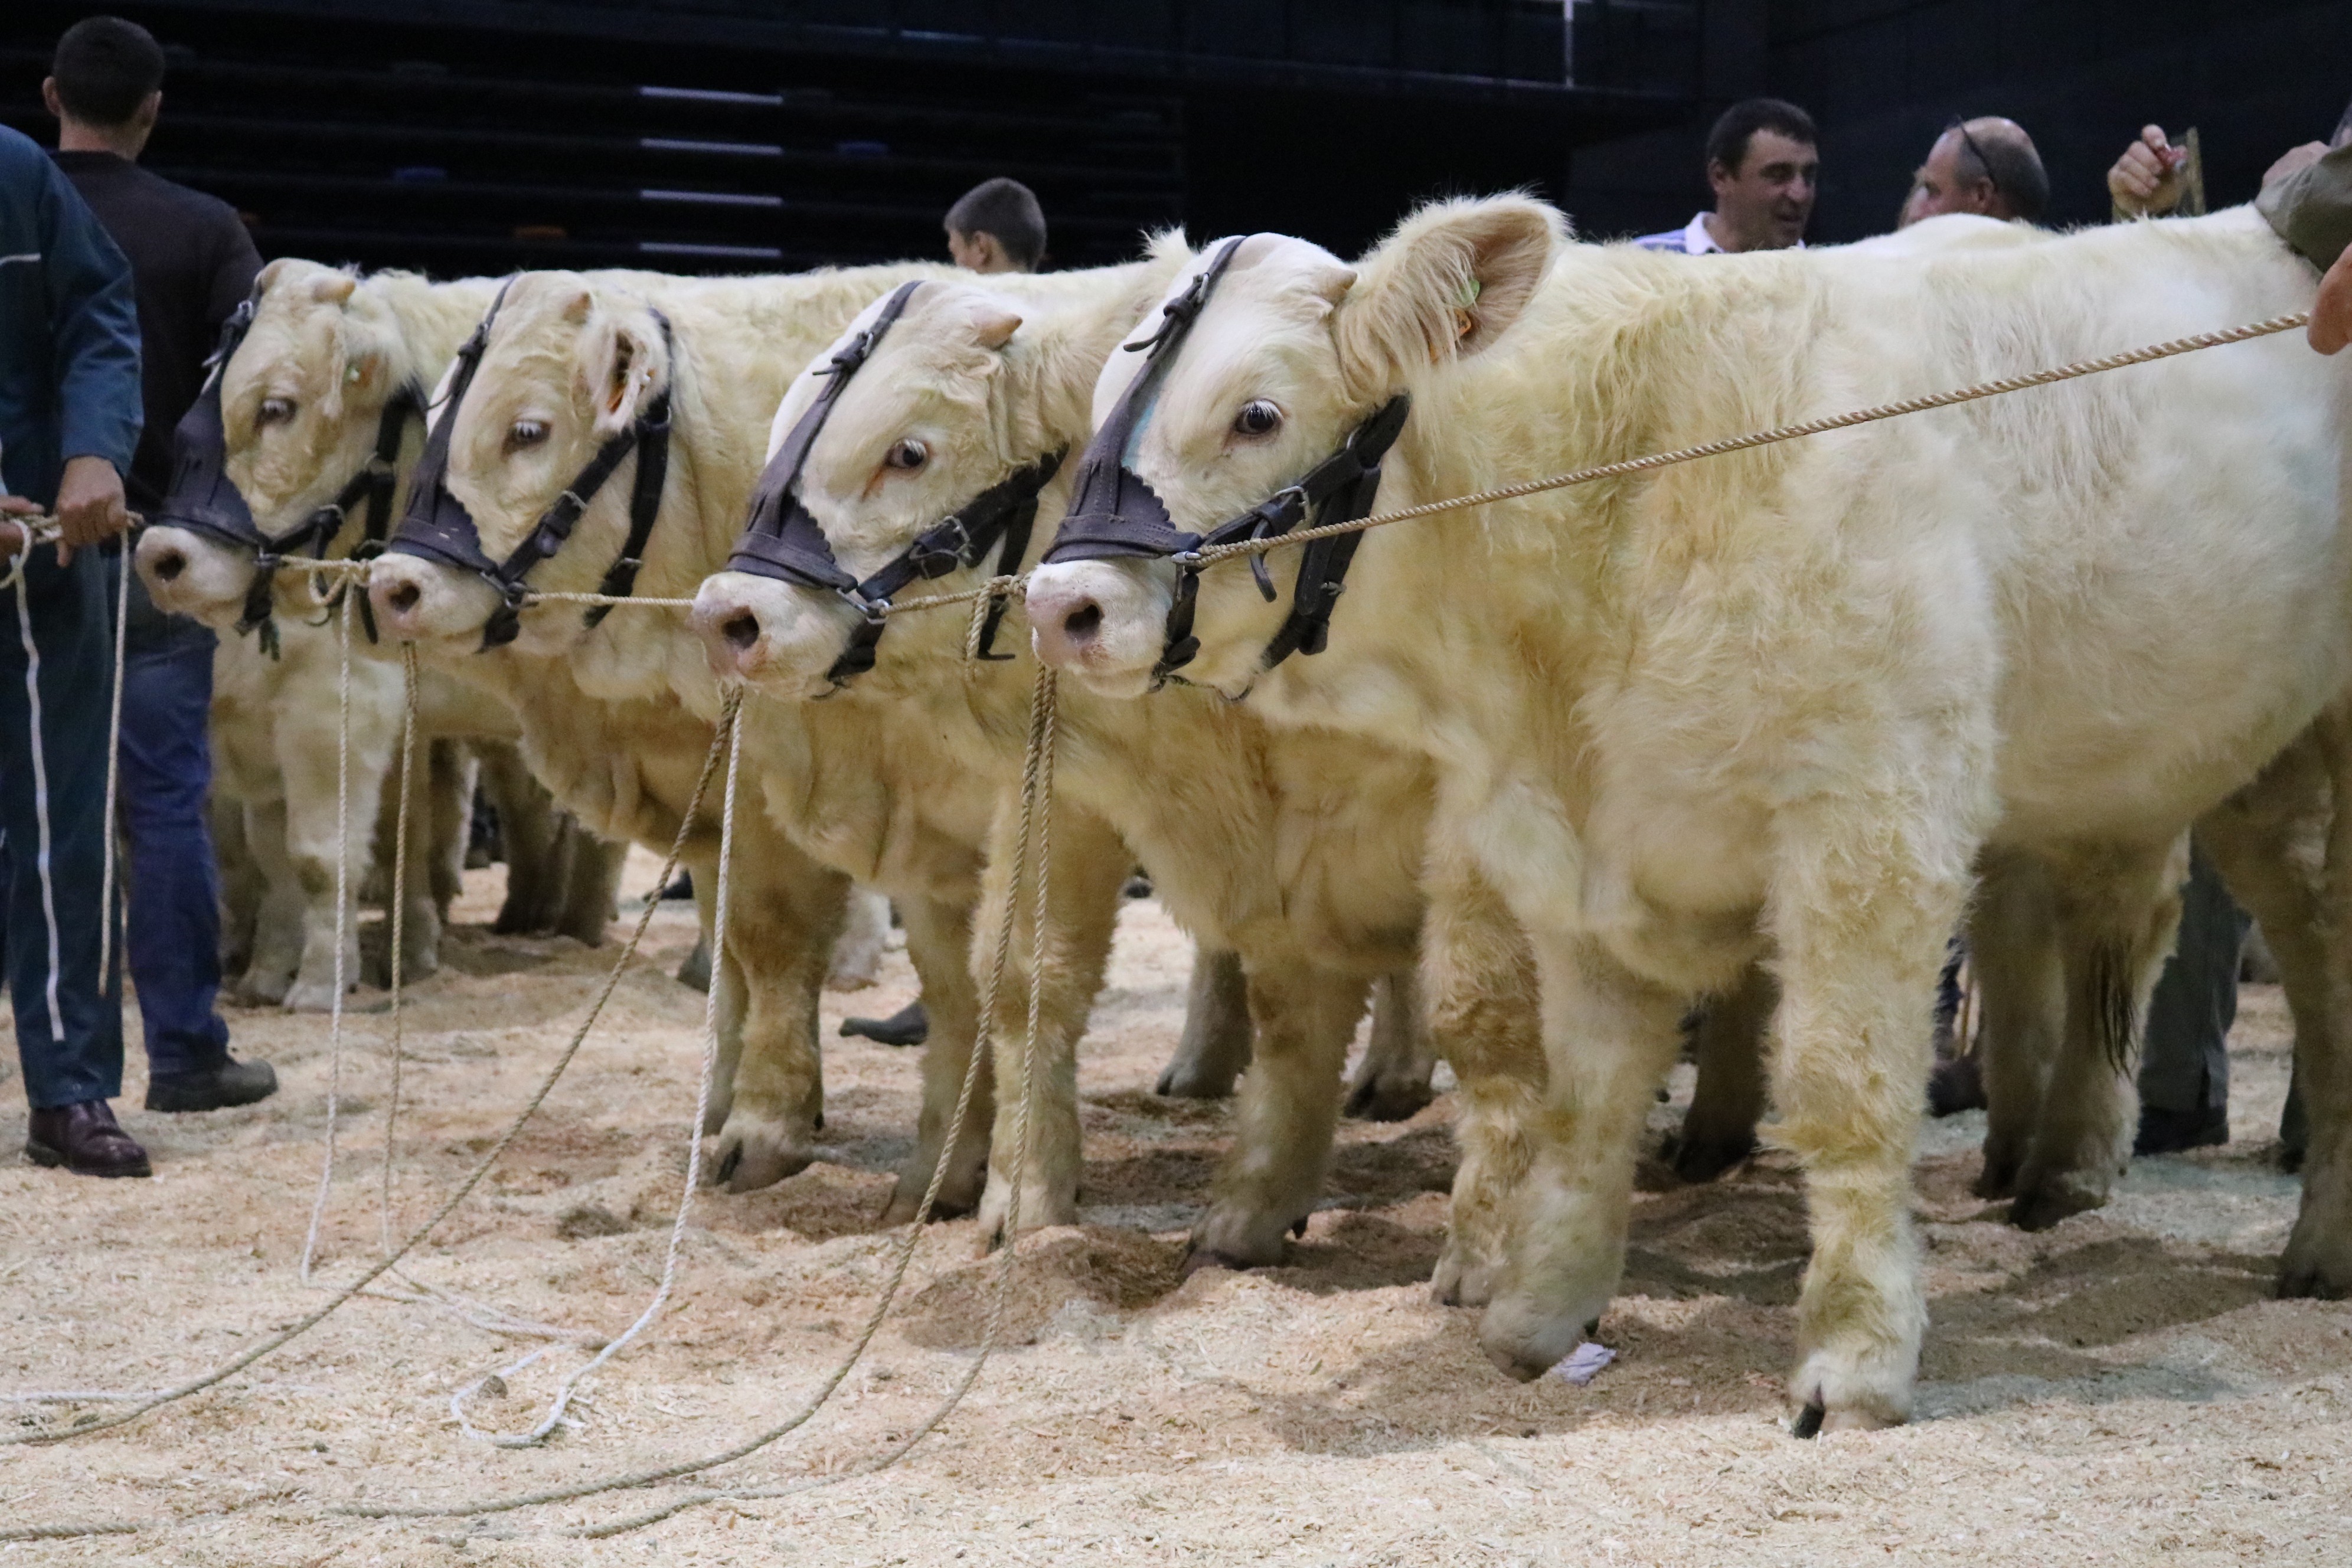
191 263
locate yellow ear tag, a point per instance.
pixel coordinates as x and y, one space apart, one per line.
1463 321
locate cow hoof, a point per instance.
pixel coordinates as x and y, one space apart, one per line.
1702 1157
1240 1238
1183 1079
955 1201
1039 1211
2042 1204
1525 1341
306 998
1384 1098
2314 1272
1998 1180
1460 1282
749 1155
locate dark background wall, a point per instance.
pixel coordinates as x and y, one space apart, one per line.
479 135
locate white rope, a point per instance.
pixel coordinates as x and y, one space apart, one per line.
343 916
398 924
730 726
108 893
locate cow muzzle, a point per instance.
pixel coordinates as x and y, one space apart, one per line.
1101 622
418 601
187 573
779 639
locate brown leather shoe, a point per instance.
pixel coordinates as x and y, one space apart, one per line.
86 1141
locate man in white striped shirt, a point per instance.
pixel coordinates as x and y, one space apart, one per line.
1764 162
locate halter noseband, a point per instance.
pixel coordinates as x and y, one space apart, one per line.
438 527
202 500
1114 514
783 541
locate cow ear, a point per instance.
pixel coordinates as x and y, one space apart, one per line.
624 364
1444 286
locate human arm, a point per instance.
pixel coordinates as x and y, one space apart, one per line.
2331 314
94 324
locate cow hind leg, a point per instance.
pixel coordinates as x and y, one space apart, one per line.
1392 1083
2020 986
865 937
1478 976
939 944
1720 1129
2116 919
589 893
1609 1040
1215 1049
242 884
279 912
529 830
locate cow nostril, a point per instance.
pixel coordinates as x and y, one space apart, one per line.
169 564
740 630
1081 624
403 597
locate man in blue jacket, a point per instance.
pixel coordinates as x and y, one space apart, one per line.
69 418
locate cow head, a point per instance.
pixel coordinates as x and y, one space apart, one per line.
302 399
912 437
1292 351
569 362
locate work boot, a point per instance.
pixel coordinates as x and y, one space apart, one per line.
2171 1131
86 1141
909 1026
214 1088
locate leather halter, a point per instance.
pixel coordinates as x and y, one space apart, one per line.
202 500
1114 514
438 527
784 543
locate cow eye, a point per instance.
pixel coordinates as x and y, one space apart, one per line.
907 456
1257 419
525 433
274 411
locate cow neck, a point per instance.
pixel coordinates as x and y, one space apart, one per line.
1115 513
782 541
204 501
438 527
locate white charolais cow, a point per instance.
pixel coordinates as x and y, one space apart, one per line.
572 361
1776 704
1302 851
302 399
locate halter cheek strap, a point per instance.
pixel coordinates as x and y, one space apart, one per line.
438 527
1115 514
204 501
785 543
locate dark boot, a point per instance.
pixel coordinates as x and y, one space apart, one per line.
215 1088
909 1026
86 1141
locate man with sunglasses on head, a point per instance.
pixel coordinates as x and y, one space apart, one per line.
1987 166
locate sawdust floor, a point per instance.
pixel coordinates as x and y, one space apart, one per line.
2119 1389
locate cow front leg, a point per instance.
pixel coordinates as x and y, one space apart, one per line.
1485 1017
1392 1083
1090 866
784 912
1214 1048
307 759
1609 1039
1304 1018
939 944
1861 939
2020 986
2116 916
1727 1100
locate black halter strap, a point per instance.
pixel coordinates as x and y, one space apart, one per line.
1114 514
202 500
438 527
785 543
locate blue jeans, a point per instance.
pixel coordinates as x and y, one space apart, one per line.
56 666
173 942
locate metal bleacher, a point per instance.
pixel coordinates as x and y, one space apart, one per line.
729 135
